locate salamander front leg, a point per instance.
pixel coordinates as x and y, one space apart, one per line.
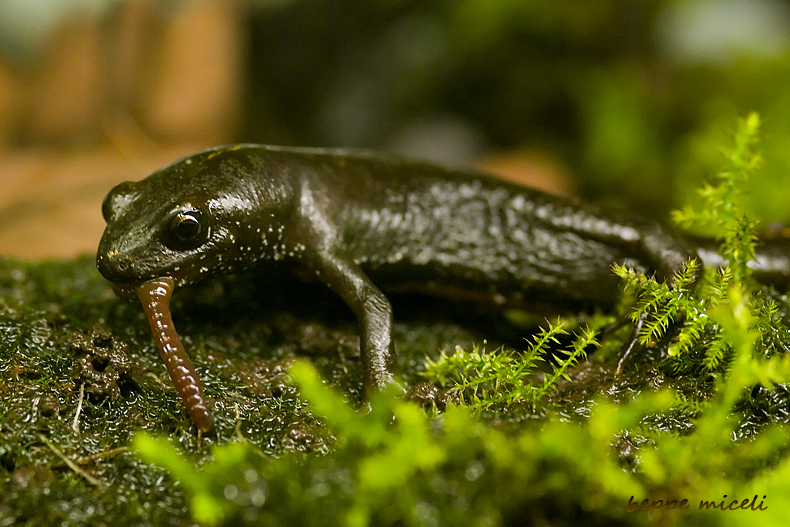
374 316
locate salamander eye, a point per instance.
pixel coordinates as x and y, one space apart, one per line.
187 229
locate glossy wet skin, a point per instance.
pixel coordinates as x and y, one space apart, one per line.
188 221
360 221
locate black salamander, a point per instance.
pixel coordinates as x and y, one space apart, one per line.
361 222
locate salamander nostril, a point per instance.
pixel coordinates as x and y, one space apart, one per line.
114 269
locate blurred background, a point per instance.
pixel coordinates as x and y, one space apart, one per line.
622 102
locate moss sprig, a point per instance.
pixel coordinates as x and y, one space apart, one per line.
495 379
699 341
720 213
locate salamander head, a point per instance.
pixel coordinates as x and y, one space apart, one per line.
187 221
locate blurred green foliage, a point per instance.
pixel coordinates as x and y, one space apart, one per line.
395 466
633 97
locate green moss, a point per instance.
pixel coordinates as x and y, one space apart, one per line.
395 465
502 378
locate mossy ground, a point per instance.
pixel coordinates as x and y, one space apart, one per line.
62 331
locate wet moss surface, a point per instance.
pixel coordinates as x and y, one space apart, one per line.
80 375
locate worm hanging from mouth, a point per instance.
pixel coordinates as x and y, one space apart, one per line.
155 294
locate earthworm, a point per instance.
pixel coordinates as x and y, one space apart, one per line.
155 294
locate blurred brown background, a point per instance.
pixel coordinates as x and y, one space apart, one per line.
103 95
620 101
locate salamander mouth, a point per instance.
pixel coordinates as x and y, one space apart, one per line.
127 290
